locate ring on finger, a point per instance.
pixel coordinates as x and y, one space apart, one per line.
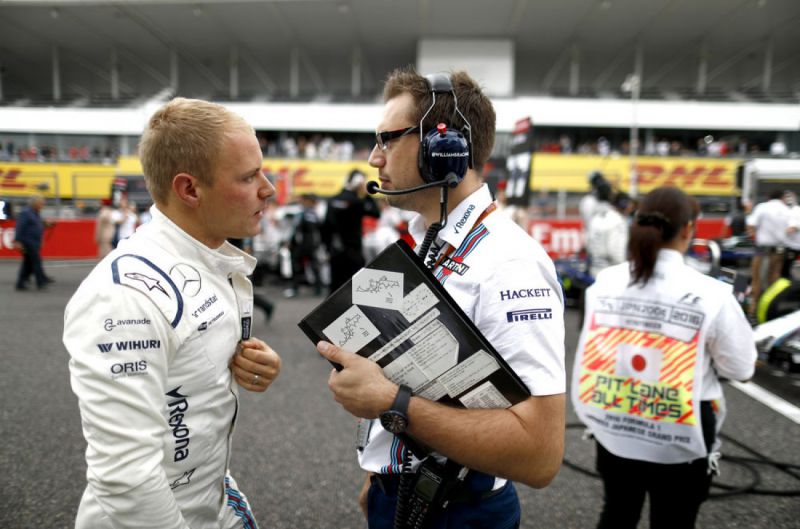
255 380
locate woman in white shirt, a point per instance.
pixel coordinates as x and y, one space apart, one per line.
657 338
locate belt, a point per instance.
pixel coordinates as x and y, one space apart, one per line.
388 483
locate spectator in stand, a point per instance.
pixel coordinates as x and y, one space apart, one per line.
767 224
28 240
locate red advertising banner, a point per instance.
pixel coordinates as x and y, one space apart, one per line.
74 239
67 239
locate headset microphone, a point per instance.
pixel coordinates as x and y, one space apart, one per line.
451 180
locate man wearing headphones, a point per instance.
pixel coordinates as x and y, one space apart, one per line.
441 129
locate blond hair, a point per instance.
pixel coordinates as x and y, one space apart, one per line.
185 136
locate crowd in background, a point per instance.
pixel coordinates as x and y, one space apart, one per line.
704 145
345 147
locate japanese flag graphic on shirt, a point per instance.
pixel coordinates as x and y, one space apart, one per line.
643 363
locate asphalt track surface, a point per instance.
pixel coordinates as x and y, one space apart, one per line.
293 449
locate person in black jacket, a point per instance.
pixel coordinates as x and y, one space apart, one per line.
28 240
342 228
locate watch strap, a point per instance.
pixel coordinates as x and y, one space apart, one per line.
402 399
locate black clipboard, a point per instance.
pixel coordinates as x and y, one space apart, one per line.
407 339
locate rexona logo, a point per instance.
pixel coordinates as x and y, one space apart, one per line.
129 345
463 221
178 406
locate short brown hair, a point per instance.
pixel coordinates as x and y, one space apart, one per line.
184 136
476 107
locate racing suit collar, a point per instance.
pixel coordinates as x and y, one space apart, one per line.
225 259
459 221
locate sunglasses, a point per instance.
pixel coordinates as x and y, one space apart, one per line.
382 139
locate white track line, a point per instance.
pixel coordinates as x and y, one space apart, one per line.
770 400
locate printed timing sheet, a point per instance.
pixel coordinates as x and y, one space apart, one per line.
394 312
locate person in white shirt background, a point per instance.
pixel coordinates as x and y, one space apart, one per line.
767 225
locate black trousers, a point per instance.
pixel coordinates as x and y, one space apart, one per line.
676 491
31 264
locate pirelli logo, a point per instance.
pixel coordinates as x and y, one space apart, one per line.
529 315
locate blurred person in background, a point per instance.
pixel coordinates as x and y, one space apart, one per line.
767 225
125 218
105 229
648 388
28 240
342 228
588 202
792 235
159 333
304 242
607 236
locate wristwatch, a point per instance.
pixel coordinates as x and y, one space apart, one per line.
395 419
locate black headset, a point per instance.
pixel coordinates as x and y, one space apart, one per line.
444 151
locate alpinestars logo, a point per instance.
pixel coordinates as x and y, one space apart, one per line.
185 479
148 281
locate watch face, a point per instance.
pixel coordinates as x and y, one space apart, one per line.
394 421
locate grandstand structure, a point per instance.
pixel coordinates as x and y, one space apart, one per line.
82 76
315 63
700 84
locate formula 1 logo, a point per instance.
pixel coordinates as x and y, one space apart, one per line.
187 278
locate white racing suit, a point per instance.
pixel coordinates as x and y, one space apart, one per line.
151 332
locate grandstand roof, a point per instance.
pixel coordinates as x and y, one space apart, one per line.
340 50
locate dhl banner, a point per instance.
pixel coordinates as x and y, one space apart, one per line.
292 177
324 178
696 176
54 180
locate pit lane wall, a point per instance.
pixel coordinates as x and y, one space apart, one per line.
74 239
